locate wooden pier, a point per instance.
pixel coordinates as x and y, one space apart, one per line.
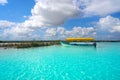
27 44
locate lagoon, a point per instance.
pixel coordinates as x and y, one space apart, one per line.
62 63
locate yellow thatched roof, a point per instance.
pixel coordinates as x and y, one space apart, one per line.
80 39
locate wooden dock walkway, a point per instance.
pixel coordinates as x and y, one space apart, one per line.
28 44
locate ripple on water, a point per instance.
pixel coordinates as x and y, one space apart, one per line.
61 63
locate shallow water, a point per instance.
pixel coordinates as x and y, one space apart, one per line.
61 63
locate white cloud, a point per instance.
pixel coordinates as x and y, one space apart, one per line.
109 24
116 29
3 2
18 33
108 28
14 31
5 24
99 7
55 12
25 16
62 33
52 12
51 32
81 32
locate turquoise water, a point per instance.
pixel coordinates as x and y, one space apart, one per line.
61 63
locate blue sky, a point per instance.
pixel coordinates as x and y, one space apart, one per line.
15 10
53 19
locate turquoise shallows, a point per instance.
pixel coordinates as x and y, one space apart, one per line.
62 63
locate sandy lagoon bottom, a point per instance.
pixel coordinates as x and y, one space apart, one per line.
61 63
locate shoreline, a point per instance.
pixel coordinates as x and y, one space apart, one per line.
29 44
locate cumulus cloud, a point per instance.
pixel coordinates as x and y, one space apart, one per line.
55 12
99 7
81 32
52 12
3 2
109 24
108 27
116 29
62 33
18 32
14 31
5 24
